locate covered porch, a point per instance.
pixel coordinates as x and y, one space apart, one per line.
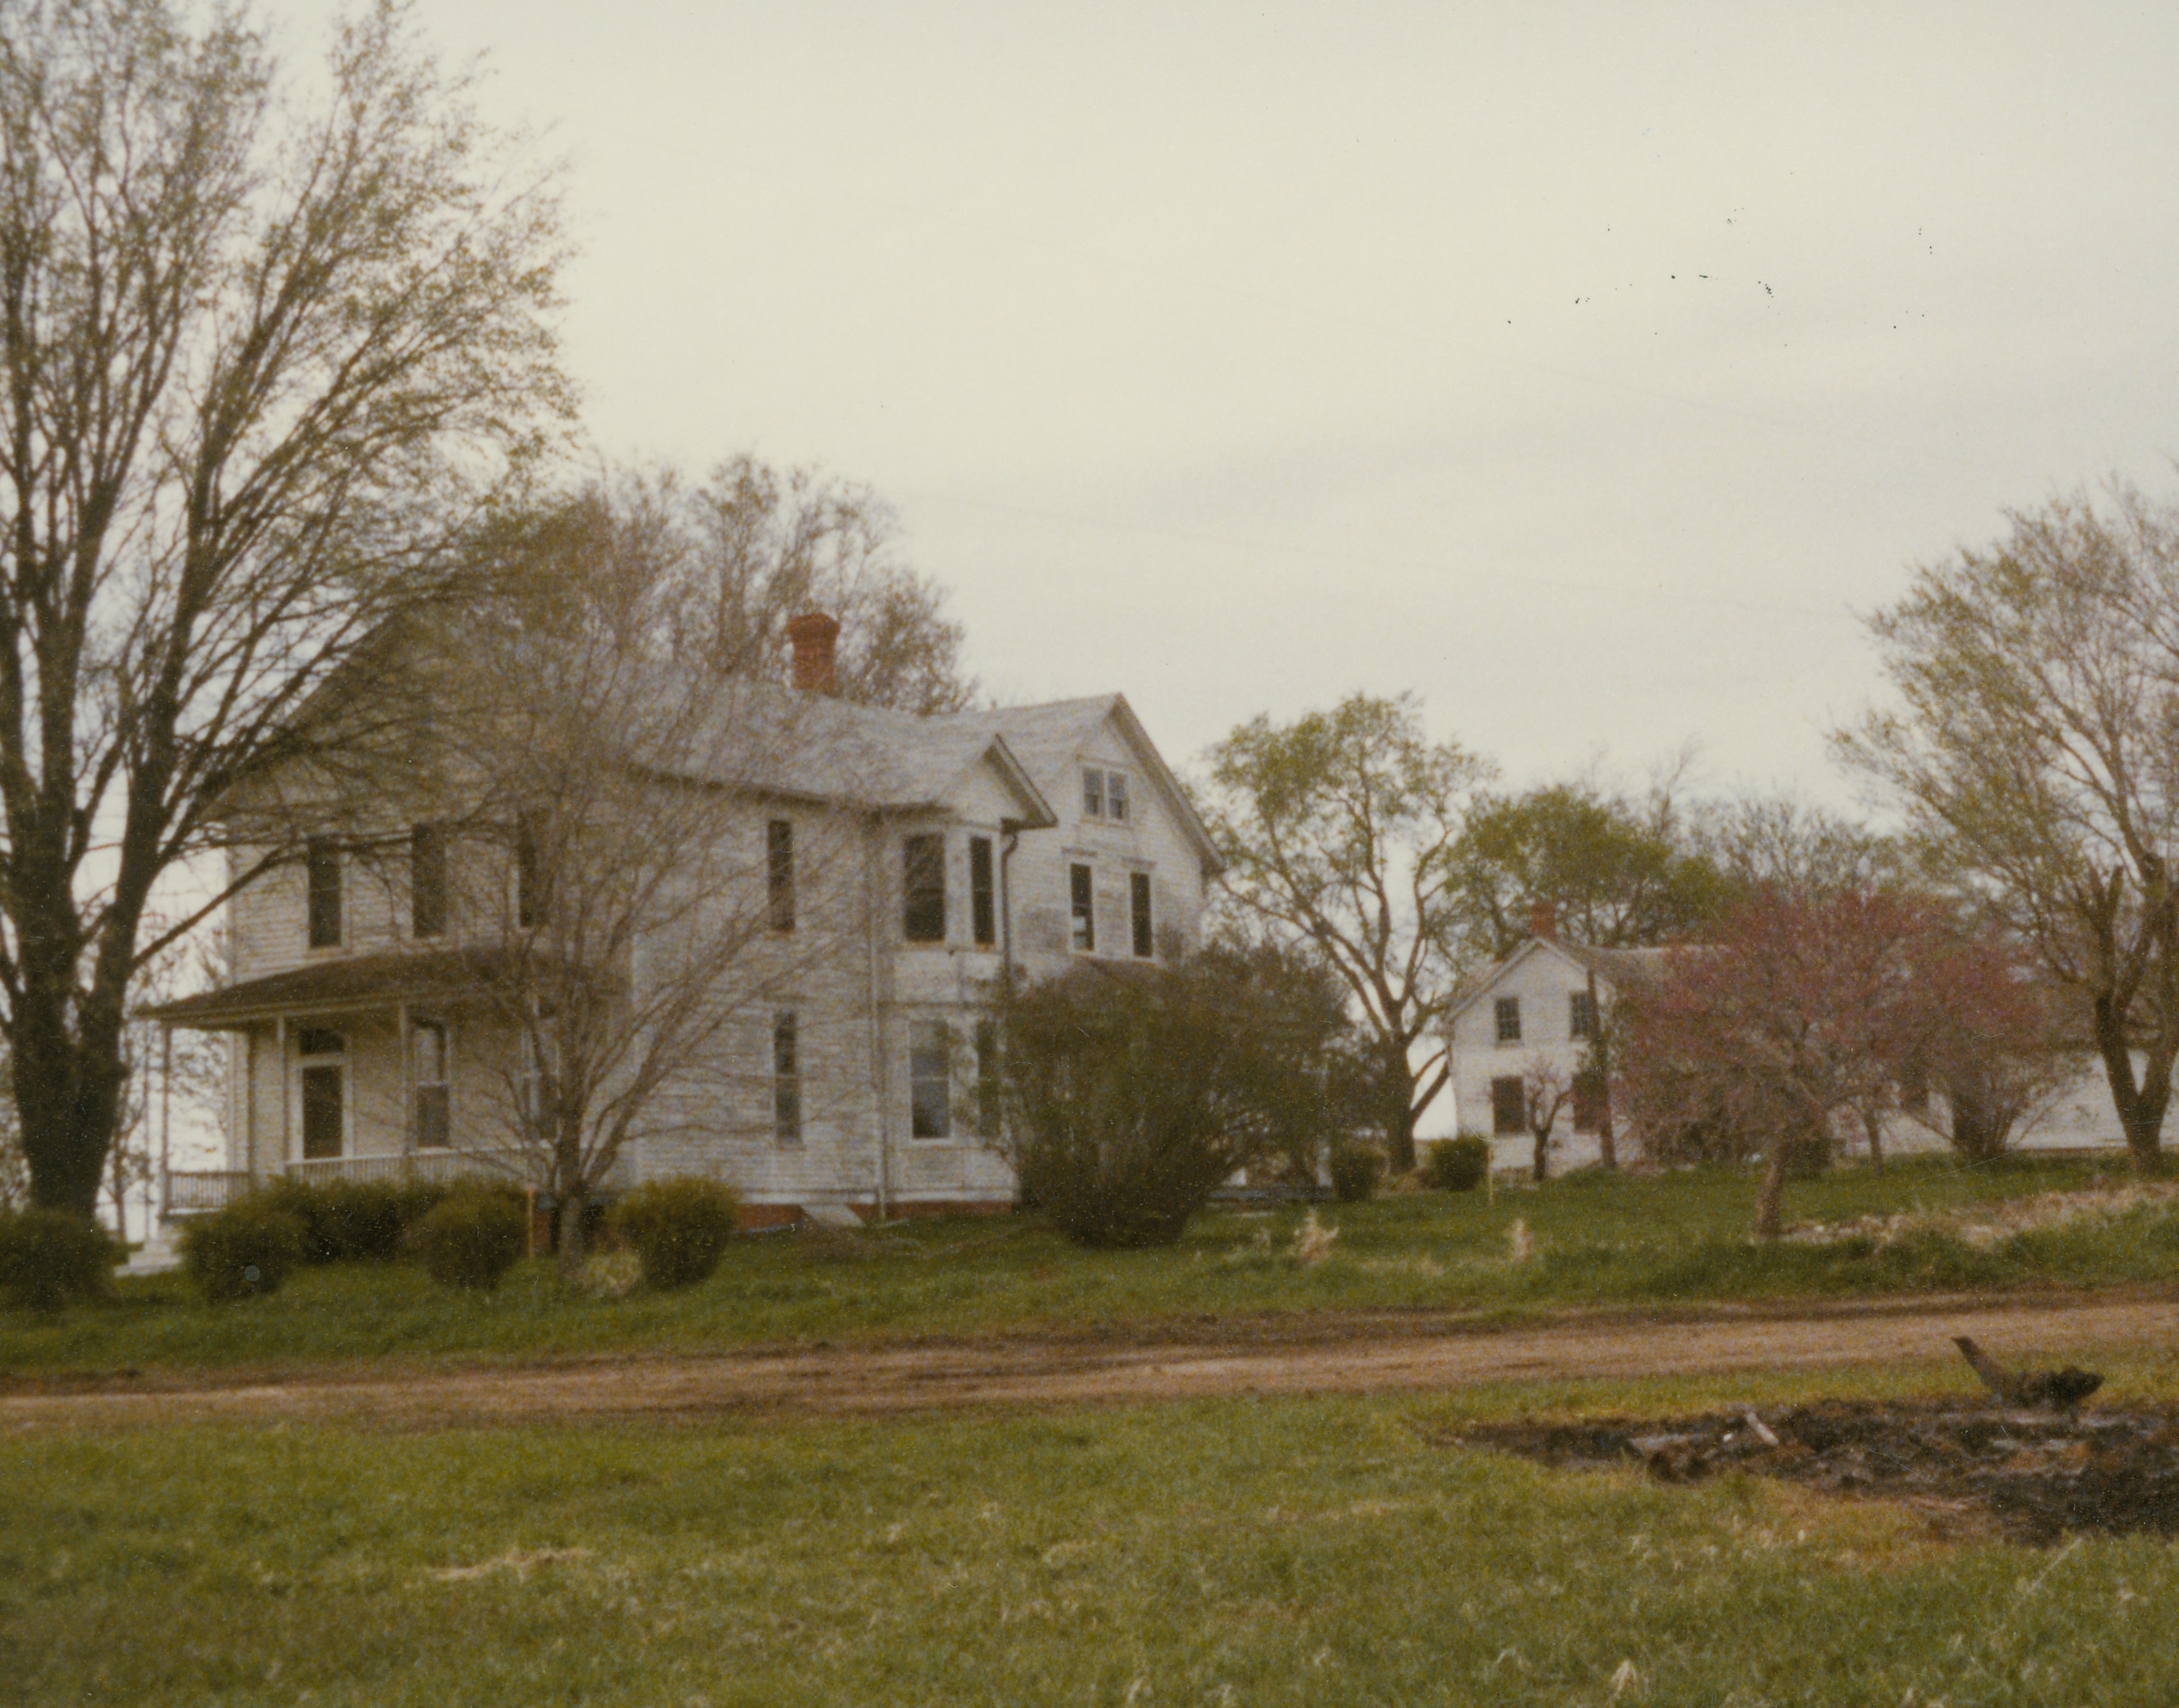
372 1067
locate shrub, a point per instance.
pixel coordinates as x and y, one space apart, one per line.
472 1238
1457 1165
347 1221
48 1257
1357 1167
678 1229
243 1251
1133 1091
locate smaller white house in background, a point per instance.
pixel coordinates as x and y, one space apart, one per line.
1538 1007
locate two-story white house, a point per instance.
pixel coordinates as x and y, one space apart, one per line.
898 891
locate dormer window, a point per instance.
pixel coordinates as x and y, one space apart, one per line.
1105 795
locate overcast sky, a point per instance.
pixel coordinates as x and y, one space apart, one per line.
1583 369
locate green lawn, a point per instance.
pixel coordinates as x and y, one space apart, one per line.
1598 1239
1233 1552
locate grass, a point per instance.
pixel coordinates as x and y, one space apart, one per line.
1598 1239
1230 1552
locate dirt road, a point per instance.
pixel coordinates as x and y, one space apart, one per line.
1330 1354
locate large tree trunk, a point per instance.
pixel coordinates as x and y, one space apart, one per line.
68 1081
1399 1117
1542 1163
2140 1103
1769 1202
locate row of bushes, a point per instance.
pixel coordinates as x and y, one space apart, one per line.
1453 1164
468 1236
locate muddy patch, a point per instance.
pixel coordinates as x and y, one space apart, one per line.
2033 1477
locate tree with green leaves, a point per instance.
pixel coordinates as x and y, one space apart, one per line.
2034 744
1612 872
1339 830
264 344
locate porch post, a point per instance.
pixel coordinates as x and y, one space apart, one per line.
280 1078
407 1089
166 1124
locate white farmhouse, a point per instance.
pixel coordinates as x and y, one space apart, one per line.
1025 837
1535 1014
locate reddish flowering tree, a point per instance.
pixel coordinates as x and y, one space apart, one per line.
1805 1011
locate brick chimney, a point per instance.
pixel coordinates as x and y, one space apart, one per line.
1542 918
812 635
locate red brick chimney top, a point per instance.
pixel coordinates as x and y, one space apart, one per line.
1542 918
812 635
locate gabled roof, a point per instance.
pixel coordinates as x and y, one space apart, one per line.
1049 736
813 746
1614 966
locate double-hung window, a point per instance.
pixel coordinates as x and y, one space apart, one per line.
779 874
983 893
922 882
1082 904
1581 1015
322 887
427 881
1509 1104
1138 914
1105 795
433 1090
929 1080
1508 1012
532 877
786 1078
989 1123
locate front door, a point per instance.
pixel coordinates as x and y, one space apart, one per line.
322 1098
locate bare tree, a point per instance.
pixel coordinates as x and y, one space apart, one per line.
643 862
755 546
2036 749
1339 829
1547 1089
258 348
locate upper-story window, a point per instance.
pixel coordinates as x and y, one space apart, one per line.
1509 1019
1082 903
1105 795
1581 1015
779 874
983 893
533 878
427 881
1139 914
923 887
322 887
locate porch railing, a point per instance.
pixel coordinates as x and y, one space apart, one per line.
190 1191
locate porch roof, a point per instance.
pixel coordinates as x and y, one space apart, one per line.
347 982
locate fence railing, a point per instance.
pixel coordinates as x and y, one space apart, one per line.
189 1191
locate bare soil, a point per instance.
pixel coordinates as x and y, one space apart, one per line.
1359 1353
2028 1477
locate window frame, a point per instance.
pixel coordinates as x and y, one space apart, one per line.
779 874
1093 792
923 887
983 893
427 881
1505 1017
325 894
1581 1015
322 1059
1082 907
930 1122
443 1085
991 1119
1509 1119
787 1078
